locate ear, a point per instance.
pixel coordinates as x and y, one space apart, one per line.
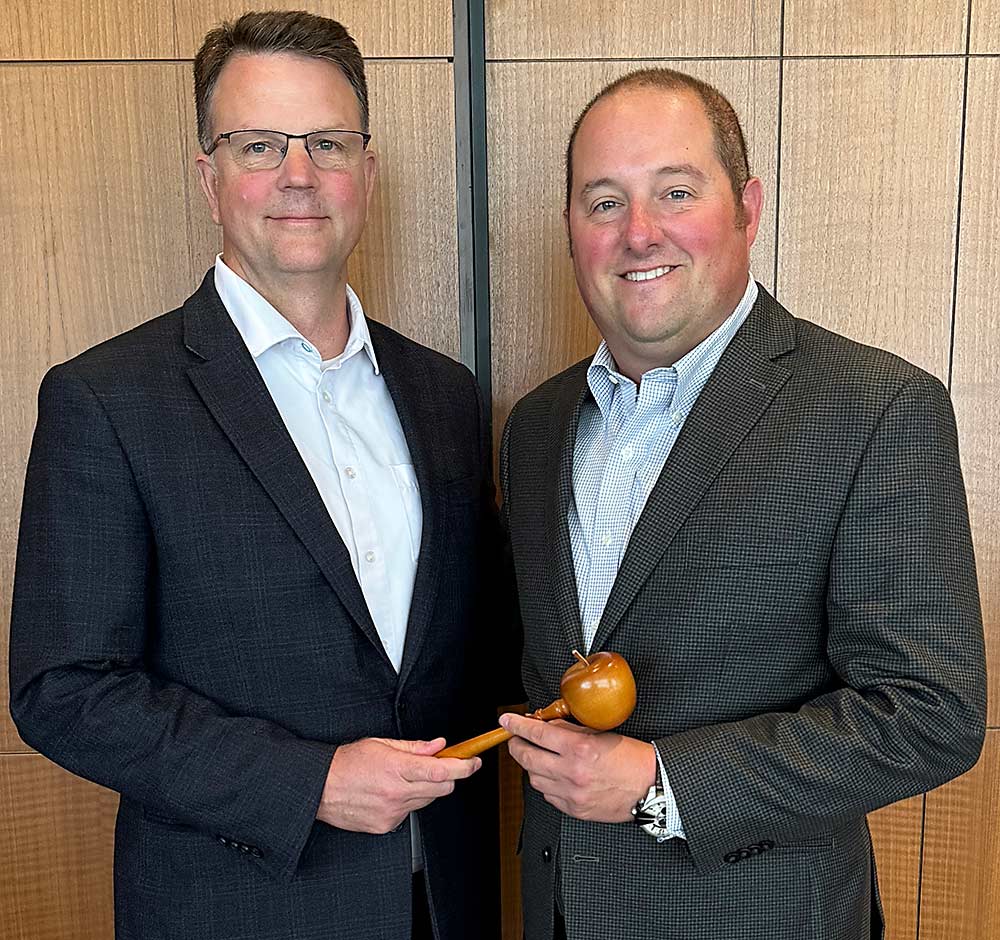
208 177
569 234
371 172
753 203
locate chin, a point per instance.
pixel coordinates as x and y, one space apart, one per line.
303 262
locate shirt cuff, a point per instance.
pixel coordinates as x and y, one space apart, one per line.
673 823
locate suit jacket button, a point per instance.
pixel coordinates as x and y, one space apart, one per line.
244 848
255 852
546 855
766 845
222 840
744 854
732 858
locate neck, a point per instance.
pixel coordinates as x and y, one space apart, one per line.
315 304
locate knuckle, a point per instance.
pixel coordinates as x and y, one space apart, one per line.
584 749
439 773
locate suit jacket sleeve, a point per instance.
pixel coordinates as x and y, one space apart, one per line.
84 597
904 638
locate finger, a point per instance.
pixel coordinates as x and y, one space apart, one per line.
573 728
422 794
552 738
423 769
535 760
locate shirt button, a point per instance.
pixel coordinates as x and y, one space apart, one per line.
306 347
327 398
351 474
607 538
676 418
627 452
369 557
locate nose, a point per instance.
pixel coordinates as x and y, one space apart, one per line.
297 169
641 229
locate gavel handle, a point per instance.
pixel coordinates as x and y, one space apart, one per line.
476 745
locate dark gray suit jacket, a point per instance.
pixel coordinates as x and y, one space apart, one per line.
798 602
188 630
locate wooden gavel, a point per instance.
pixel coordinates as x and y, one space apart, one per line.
597 690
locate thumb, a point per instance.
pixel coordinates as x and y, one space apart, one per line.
422 748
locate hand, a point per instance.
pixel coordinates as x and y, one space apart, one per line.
584 773
374 783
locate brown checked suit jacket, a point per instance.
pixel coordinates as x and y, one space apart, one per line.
798 602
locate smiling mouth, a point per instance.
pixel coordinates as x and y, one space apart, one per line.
651 275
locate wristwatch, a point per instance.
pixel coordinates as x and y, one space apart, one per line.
650 814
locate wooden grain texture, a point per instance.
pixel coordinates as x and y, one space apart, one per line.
960 895
119 29
96 215
87 29
869 200
112 229
889 27
985 28
406 267
976 377
57 836
576 29
539 323
896 834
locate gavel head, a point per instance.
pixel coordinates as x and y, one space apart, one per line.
599 690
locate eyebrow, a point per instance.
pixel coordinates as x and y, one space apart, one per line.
680 169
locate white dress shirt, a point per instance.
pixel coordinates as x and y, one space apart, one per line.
343 422
624 436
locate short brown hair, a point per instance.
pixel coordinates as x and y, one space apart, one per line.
730 147
270 32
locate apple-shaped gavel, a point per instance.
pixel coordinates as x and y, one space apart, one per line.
597 690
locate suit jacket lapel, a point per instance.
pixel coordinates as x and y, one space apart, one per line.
738 393
418 405
234 392
559 491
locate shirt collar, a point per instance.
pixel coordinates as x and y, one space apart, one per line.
692 368
263 327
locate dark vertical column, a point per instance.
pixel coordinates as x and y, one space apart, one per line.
473 203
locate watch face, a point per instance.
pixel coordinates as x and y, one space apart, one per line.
651 814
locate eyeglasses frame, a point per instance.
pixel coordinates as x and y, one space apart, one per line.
365 138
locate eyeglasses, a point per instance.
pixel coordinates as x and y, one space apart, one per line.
264 150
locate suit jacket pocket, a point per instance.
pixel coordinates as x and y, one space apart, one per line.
168 822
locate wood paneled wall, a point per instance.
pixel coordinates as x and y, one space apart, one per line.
877 138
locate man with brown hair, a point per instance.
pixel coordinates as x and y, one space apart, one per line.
768 522
249 587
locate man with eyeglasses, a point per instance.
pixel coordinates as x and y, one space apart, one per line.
250 589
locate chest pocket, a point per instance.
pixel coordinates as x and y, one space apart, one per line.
409 495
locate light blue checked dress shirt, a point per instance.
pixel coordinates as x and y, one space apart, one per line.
624 437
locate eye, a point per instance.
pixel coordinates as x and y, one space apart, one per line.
604 205
328 144
677 195
259 147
